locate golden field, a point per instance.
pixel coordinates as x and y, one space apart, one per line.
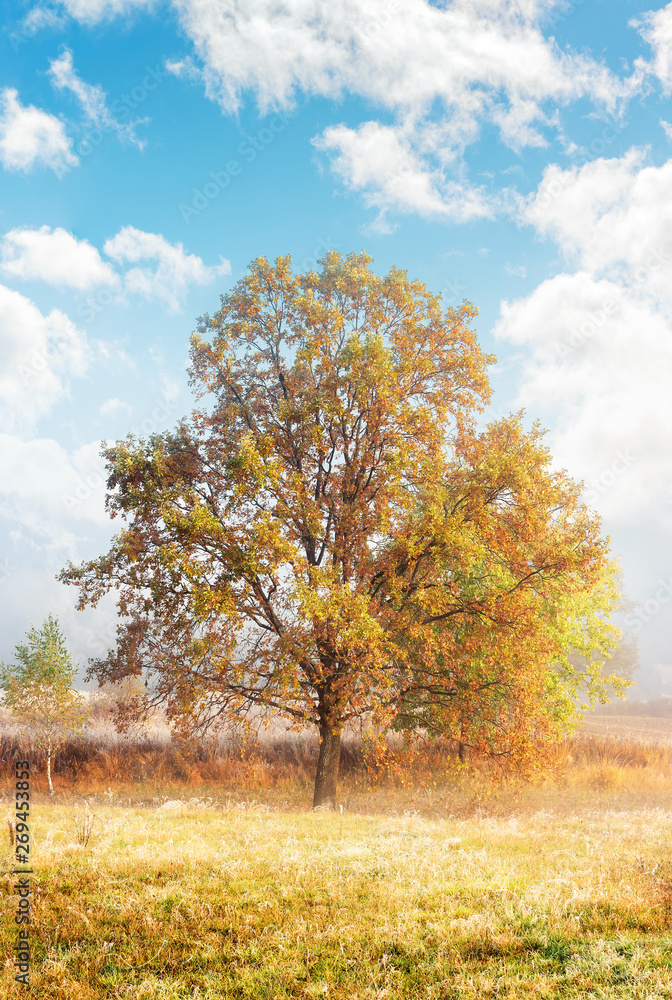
212 877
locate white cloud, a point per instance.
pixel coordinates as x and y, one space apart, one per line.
381 162
516 124
40 353
611 217
596 344
29 136
93 100
185 69
111 407
402 55
52 510
655 27
60 258
174 272
54 256
45 486
596 363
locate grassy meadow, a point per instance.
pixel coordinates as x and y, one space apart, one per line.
208 875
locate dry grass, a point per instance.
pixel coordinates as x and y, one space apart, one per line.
645 729
215 880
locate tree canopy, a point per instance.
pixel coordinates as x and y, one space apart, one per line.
329 536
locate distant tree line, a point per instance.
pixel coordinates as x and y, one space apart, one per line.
660 707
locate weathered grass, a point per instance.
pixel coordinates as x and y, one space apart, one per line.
227 885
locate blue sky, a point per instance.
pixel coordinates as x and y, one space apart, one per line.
516 154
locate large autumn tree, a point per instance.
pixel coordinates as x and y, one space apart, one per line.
327 536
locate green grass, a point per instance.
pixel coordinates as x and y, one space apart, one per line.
252 900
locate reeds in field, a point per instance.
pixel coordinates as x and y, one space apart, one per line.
421 774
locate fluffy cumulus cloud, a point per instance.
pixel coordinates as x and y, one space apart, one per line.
59 258
596 342
381 161
40 354
173 271
596 361
611 216
56 257
30 137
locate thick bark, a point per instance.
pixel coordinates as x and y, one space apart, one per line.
326 778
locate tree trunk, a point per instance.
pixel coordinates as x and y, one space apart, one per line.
461 752
326 778
51 787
